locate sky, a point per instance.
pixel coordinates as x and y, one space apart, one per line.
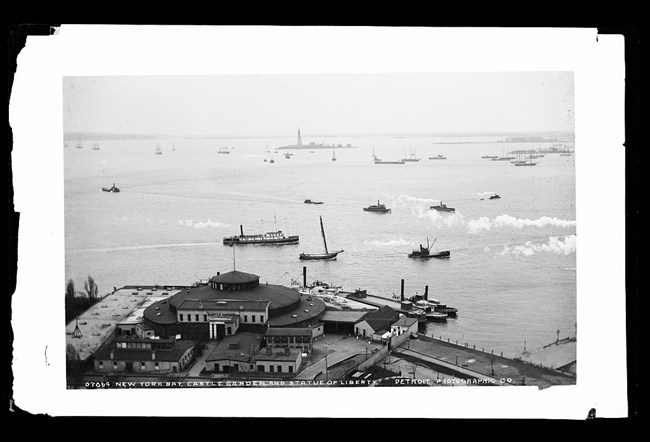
327 104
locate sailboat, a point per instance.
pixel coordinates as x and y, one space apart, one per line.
158 150
327 254
333 154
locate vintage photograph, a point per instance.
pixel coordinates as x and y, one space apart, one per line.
320 230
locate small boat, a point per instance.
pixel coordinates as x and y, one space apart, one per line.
313 202
438 157
489 157
378 208
275 237
411 158
271 160
96 146
111 189
442 208
425 252
495 196
223 150
79 145
287 156
443 308
429 310
524 162
321 256
333 154
158 150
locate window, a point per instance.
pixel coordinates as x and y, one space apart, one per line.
253 318
271 368
114 364
216 367
196 317
229 331
101 364
180 317
189 318
290 369
157 366
142 364
245 318
279 368
205 317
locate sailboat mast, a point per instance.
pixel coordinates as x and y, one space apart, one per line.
323 232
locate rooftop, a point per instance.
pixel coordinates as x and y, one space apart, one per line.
243 344
98 322
382 318
405 321
234 277
223 304
288 331
349 317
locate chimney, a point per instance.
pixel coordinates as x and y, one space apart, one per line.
402 292
426 292
304 276
241 229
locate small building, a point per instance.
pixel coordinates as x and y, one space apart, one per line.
138 355
405 325
286 337
377 323
281 361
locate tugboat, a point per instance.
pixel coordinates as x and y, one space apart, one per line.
425 252
442 208
495 196
443 308
276 237
379 208
111 189
321 256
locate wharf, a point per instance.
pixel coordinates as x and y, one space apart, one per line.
376 301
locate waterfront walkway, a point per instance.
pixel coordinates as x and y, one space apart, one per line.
469 362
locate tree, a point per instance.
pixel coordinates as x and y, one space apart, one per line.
69 289
91 288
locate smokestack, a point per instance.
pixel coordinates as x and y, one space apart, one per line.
241 229
426 292
304 276
402 292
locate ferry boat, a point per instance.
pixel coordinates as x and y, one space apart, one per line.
425 252
444 308
321 256
276 237
111 189
379 208
442 208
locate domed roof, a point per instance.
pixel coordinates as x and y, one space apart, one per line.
234 277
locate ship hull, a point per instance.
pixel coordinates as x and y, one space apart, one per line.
319 256
244 240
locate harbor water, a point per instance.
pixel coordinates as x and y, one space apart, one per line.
512 269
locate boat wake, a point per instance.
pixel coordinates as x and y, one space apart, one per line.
202 224
156 246
389 243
